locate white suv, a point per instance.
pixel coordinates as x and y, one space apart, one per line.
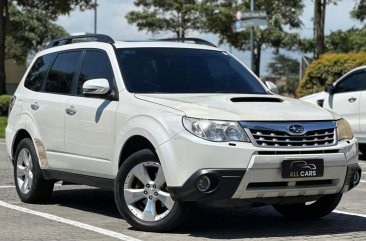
168 124
347 97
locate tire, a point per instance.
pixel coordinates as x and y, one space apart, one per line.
137 173
362 148
318 209
30 185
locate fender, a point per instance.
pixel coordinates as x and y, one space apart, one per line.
150 128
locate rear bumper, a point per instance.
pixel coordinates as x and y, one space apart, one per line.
9 136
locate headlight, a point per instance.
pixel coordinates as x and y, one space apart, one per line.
344 130
214 130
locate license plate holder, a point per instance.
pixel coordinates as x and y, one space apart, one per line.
302 168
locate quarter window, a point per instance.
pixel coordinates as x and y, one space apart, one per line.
96 65
38 72
60 76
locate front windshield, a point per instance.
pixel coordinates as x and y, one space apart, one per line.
183 70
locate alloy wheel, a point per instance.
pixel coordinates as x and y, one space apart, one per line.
24 171
145 192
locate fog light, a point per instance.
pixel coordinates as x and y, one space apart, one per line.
356 178
203 183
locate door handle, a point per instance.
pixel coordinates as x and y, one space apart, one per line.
71 110
352 99
35 106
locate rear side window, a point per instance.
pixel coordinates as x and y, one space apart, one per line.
60 76
96 65
38 72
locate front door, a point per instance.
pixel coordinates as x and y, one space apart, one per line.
90 125
346 100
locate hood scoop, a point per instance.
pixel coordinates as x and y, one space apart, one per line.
256 99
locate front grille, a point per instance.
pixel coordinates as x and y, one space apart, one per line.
277 134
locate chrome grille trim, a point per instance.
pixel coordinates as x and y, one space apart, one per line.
277 134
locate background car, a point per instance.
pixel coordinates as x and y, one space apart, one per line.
347 97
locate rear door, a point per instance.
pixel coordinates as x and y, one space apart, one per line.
346 99
48 107
90 129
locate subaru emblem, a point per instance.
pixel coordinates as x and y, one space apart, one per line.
296 129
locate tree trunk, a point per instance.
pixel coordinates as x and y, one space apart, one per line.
257 60
3 24
319 18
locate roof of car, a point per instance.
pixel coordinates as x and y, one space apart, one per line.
161 44
67 44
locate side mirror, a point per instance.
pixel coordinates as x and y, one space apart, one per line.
272 87
96 87
329 88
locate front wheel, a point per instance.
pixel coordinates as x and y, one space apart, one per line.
314 210
142 196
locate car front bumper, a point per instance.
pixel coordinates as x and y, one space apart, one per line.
248 172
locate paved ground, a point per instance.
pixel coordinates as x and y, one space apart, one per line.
84 213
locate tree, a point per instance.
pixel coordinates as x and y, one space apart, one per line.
282 14
51 9
284 66
351 40
177 16
359 11
28 32
319 19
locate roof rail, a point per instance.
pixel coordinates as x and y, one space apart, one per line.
194 40
80 38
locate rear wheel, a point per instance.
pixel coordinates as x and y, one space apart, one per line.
314 210
30 185
142 196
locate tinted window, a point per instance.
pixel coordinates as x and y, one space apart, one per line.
38 72
181 70
60 76
96 65
356 82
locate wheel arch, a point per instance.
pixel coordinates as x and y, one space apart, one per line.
133 144
20 135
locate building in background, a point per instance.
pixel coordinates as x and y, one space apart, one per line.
14 73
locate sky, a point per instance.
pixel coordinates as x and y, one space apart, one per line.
111 21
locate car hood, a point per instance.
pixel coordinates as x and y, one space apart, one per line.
240 107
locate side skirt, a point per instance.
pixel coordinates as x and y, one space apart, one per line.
100 182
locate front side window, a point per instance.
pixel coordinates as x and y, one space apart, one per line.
96 65
38 72
59 79
356 82
183 70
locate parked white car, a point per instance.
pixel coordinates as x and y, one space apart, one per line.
169 124
347 97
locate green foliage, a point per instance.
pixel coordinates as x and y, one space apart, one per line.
327 69
351 40
177 16
54 8
283 66
4 104
28 32
3 123
219 16
359 11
